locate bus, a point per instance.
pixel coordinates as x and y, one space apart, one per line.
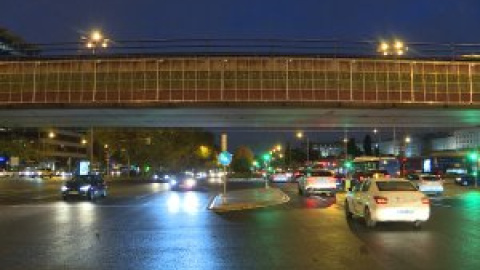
391 164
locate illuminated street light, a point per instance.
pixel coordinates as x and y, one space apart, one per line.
84 141
278 147
408 139
299 134
396 47
96 39
51 135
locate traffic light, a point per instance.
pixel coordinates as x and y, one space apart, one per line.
267 157
473 156
348 164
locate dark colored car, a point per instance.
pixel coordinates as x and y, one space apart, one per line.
183 181
465 180
85 186
297 174
162 176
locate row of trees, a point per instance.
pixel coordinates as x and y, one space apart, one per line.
172 149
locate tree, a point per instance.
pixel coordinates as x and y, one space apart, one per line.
173 149
352 148
367 145
242 159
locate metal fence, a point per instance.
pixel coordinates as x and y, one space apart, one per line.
239 79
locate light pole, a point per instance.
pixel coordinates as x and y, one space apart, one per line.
128 161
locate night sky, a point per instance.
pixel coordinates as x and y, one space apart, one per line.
45 21
50 21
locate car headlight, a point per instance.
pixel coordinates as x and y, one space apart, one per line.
155 177
166 176
190 182
64 188
85 188
173 182
458 179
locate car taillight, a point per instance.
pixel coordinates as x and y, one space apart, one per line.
425 200
380 200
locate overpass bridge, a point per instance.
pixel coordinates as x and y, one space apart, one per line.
234 91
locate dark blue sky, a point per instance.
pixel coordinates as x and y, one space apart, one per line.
43 21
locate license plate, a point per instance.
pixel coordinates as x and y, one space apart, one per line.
405 211
73 192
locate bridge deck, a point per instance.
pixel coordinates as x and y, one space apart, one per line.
239 79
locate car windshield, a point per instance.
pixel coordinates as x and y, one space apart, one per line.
85 179
321 173
395 186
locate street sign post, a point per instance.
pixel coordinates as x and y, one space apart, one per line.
225 158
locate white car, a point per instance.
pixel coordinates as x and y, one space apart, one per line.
430 184
387 199
318 182
280 177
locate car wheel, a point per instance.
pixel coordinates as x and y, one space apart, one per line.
64 197
368 218
417 224
348 214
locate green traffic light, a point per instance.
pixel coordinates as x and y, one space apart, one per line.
267 157
473 156
348 164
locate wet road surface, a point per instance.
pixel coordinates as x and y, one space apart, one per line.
146 226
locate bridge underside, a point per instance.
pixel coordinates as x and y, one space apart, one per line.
253 116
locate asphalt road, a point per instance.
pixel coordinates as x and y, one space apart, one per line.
146 226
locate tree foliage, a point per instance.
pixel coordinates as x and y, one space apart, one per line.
173 149
352 148
242 159
367 145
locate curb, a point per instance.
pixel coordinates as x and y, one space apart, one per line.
245 205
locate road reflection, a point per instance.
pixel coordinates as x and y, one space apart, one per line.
188 202
319 202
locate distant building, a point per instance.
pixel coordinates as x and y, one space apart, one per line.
42 147
327 150
400 147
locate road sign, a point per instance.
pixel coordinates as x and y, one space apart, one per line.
225 158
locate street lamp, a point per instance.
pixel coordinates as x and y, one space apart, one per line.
95 40
278 147
396 47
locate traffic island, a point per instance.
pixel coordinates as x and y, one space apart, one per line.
248 199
